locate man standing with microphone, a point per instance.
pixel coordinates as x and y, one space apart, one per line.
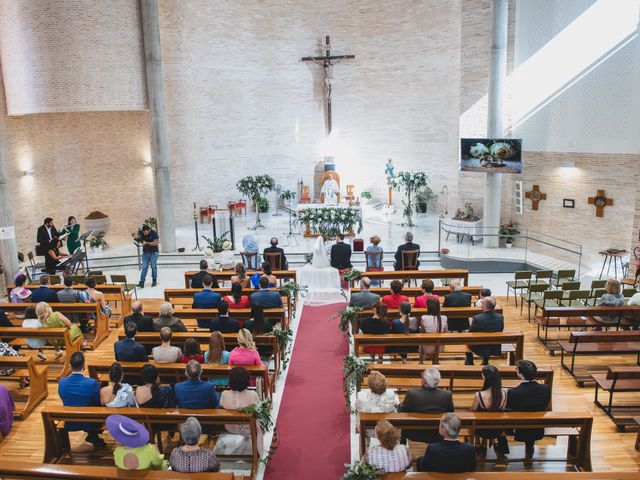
149 240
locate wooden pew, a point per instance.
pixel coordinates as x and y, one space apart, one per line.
457 378
101 326
37 375
516 339
225 275
579 447
70 347
20 470
418 275
413 292
577 317
99 369
512 476
598 343
617 379
57 444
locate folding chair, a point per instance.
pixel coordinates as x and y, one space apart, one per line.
122 280
563 276
577 298
521 281
534 292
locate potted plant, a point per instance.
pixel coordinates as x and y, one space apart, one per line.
424 197
410 183
365 197
255 188
217 250
508 232
97 242
263 204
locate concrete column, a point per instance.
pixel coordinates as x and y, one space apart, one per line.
495 112
158 124
8 248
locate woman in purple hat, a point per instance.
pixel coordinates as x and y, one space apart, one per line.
136 453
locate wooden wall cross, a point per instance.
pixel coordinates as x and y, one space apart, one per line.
535 195
600 201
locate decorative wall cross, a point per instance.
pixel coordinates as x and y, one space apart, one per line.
535 195
600 201
325 61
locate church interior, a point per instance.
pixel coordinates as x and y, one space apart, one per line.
346 239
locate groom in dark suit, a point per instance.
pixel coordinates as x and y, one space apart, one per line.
341 254
46 232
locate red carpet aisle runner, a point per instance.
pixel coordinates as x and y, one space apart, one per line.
313 421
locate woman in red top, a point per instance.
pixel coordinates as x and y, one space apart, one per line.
191 351
236 300
427 293
394 300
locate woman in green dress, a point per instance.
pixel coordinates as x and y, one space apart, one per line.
72 229
135 452
50 319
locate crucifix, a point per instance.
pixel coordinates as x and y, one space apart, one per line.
326 62
600 201
535 195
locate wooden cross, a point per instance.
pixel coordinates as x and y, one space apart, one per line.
325 60
535 195
600 201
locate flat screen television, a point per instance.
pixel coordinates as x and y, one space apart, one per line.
500 155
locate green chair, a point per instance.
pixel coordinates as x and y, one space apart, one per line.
55 279
567 287
100 279
597 293
563 276
627 293
543 277
549 298
122 280
79 279
521 281
577 298
534 292
596 284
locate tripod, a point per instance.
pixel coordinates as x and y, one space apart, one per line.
291 234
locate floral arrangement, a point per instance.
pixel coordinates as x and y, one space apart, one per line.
361 470
466 214
365 195
220 244
284 337
255 188
98 241
492 153
292 289
288 195
348 317
409 182
331 221
353 372
509 230
352 275
308 257
262 412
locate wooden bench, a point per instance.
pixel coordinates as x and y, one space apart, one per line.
442 339
578 317
20 470
225 275
579 446
174 372
403 275
617 379
101 326
37 375
70 347
512 476
57 445
598 343
413 292
457 378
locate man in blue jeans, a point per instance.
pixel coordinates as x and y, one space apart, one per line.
149 240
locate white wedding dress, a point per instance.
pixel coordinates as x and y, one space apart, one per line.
321 278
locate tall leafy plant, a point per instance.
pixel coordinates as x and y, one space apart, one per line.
409 183
255 188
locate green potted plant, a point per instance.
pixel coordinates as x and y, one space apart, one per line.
255 188
365 197
263 205
97 242
508 232
424 197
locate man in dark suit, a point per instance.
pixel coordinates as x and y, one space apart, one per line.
193 393
364 298
128 350
426 399
76 390
341 254
409 245
448 455
223 323
487 321
529 396
43 293
207 298
46 232
143 323
457 298
265 297
196 280
275 249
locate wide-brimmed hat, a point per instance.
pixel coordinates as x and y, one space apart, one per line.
127 431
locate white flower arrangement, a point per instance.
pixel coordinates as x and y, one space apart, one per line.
330 221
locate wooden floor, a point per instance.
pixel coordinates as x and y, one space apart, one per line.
610 449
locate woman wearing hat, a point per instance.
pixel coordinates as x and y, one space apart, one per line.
136 453
191 457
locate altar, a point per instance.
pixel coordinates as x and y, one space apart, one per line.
462 228
320 219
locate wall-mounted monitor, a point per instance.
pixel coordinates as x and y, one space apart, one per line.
500 155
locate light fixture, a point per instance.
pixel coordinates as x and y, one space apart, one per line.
29 173
568 164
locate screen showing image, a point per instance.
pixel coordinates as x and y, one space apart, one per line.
501 155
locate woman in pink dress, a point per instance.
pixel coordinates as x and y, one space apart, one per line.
427 293
246 352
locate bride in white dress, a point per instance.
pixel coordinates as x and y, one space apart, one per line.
321 278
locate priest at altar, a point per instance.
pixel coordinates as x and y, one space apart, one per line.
330 191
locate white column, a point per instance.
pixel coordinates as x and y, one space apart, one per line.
8 248
158 124
495 125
